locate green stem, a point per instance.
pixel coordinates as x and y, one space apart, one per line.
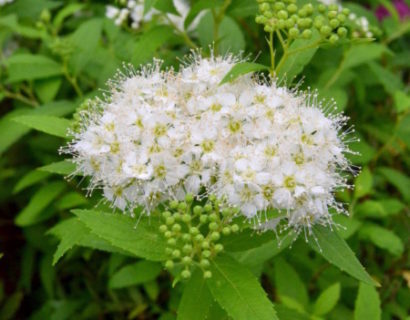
18 96
183 34
72 80
272 54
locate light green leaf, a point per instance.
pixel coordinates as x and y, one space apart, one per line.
46 89
49 124
363 183
135 274
349 225
382 238
401 101
61 167
30 179
367 304
370 208
10 22
166 6
71 200
327 300
246 240
32 213
288 283
197 7
72 232
138 237
398 179
291 65
363 53
241 69
196 299
335 250
65 12
25 66
390 81
238 292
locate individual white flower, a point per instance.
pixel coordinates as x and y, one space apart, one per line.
260 147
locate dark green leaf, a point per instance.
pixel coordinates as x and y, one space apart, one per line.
29 179
382 238
398 179
61 167
241 69
367 303
135 274
49 124
363 183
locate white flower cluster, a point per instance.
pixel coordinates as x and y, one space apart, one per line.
159 135
134 10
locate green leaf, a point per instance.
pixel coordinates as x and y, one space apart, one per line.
32 213
197 7
138 237
401 101
363 53
47 89
291 65
363 183
135 274
72 232
367 304
335 250
370 208
241 69
243 8
10 307
25 66
246 240
349 225
10 22
382 238
390 81
196 299
238 292
62 167
65 12
398 179
49 124
289 284
327 300
30 179
71 200
166 6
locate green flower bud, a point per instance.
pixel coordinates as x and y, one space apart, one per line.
189 197
166 214
199 237
325 31
173 204
204 263
205 244
213 226
279 6
170 220
292 8
206 253
182 206
307 34
213 217
281 23
207 274
215 236
334 23
334 38
264 7
203 218
193 230
169 264
187 248
341 17
186 237
332 14
208 208
226 212
168 234
346 11
260 19
226 231
333 7
268 28
282 14
163 228
176 227
318 23
235 228
321 8
171 241
289 23
219 247
177 216
342 32
309 8
302 13
186 218
186 274
186 260
293 32
197 210
176 253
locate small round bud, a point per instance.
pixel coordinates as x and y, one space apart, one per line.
213 217
279 5
309 8
293 32
205 244
219 247
321 8
170 220
193 230
333 7
186 274
342 32
341 17
264 7
208 208
173 204
226 212
268 28
166 214
199 237
346 11
169 264
282 14
186 218
163 228
176 227
168 234
189 197
206 253
334 23
213 226
205 263
207 274
176 253
281 23
187 248
332 14
289 23
333 38
197 210
235 228
260 19
171 241
226 231
203 218
292 8
186 237
177 216
325 31
186 260
302 13
215 236
307 34
182 206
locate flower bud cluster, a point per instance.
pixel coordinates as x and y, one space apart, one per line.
193 233
298 21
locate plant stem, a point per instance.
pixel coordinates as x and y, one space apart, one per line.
72 80
272 54
182 33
